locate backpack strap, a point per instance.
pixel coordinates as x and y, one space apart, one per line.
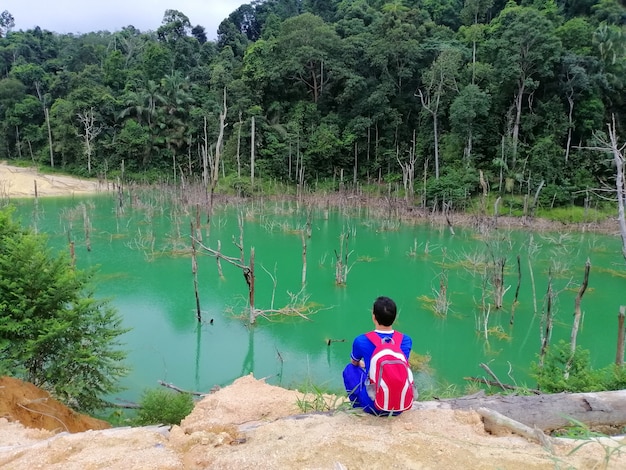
374 338
377 340
397 338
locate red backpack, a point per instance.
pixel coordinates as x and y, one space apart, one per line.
390 374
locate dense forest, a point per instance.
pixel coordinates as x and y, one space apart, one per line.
442 97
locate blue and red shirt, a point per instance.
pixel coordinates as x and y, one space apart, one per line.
363 348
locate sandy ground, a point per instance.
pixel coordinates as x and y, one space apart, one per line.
28 182
253 425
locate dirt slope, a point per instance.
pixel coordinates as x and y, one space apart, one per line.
253 425
34 408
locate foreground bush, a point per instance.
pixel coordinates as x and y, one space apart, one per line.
53 332
564 372
159 406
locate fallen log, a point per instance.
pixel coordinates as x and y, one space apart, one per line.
493 420
546 412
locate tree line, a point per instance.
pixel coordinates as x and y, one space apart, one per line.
444 97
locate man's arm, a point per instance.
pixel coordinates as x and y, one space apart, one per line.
406 346
356 356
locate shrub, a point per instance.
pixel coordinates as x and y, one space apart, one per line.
580 377
572 215
159 406
455 186
555 196
54 333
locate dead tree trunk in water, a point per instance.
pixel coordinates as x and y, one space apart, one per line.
498 282
249 275
218 258
442 304
198 225
305 234
303 238
86 227
299 302
577 316
341 259
519 282
547 322
247 269
577 312
619 357
194 270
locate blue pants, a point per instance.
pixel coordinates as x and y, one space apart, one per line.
354 379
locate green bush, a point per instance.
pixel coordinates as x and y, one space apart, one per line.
580 377
455 186
54 333
242 187
572 215
159 406
555 196
511 205
615 377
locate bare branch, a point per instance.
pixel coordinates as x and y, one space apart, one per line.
229 259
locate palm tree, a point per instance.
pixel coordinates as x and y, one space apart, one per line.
143 105
176 103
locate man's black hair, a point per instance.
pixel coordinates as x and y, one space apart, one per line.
384 311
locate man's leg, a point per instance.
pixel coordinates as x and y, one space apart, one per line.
354 382
354 379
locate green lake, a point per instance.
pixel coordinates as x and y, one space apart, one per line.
145 269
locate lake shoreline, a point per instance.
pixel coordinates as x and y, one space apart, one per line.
28 182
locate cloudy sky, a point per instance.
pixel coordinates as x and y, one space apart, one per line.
84 16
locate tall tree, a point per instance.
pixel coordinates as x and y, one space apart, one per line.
34 77
469 108
143 105
524 49
305 53
440 78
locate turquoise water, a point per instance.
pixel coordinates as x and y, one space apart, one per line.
145 269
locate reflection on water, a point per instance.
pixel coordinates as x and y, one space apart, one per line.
446 286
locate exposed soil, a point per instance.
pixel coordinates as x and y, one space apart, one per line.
34 408
253 425
28 182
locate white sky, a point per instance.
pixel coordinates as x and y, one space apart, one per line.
84 16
